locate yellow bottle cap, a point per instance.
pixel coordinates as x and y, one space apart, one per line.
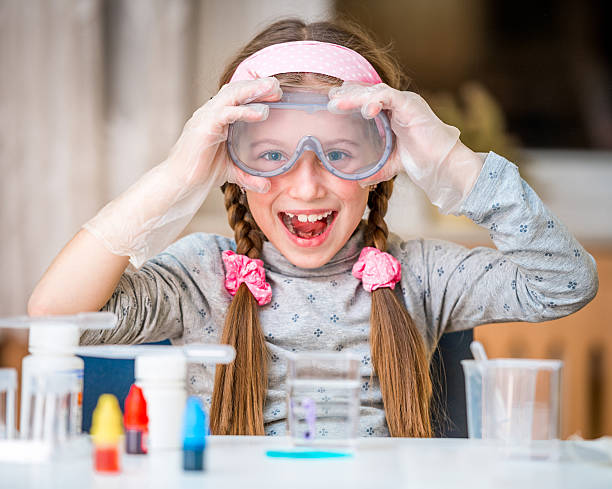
106 426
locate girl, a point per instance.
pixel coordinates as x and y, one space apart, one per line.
300 182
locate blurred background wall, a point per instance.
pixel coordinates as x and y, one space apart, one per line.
93 93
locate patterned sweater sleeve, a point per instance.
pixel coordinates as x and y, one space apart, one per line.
538 272
164 298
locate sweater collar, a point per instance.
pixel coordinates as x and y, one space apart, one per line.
342 261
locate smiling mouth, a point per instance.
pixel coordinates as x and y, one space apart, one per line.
307 226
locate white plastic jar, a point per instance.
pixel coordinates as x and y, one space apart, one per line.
162 380
51 376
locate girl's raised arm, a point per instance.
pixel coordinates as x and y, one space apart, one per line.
81 278
149 215
538 272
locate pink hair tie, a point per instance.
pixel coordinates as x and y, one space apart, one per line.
377 269
240 269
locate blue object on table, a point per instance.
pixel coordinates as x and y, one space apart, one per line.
310 454
194 434
449 414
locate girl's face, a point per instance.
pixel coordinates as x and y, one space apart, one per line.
308 214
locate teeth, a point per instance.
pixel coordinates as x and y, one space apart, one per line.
309 217
287 219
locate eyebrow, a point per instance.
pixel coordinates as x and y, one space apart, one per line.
276 142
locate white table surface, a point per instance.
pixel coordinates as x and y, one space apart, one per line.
241 462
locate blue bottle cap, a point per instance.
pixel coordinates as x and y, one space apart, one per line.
194 425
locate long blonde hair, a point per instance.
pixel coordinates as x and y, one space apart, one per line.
398 352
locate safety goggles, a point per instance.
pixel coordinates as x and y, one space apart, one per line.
348 145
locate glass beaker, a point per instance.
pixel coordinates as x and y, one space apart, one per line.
514 402
8 385
323 398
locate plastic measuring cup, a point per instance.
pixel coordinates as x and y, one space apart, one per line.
514 402
323 398
8 385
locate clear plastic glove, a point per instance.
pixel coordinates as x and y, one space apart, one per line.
426 148
150 214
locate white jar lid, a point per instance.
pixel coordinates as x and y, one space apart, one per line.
53 337
159 366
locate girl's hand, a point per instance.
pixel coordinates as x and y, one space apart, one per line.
199 155
426 148
150 214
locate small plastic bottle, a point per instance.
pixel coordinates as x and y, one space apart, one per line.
135 421
106 432
162 380
50 347
194 435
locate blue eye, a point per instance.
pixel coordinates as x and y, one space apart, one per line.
336 155
272 156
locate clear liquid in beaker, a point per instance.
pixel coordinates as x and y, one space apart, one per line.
324 411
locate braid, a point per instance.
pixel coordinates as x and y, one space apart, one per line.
398 351
249 239
240 387
376 232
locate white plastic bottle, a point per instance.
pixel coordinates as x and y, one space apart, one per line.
162 380
51 359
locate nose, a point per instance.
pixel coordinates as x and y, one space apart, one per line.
308 177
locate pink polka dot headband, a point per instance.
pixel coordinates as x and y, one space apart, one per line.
307 57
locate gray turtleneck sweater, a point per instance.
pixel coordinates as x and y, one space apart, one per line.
537 273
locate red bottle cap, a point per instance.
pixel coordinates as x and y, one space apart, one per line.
135 410
106 459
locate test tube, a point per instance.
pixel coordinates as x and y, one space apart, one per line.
52 339
49 407
8 385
